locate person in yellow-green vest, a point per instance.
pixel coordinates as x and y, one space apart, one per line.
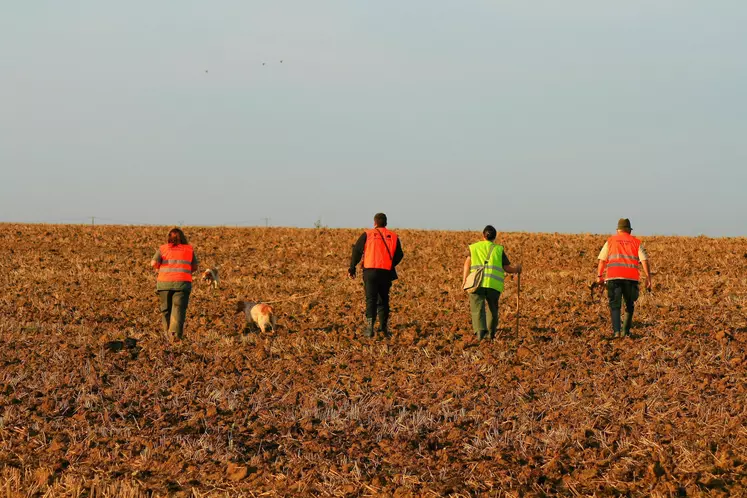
492 282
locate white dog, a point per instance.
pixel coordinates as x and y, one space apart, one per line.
260 314
211 277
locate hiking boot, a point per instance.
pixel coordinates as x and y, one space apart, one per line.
369 330
483 334
627 323
384 324
615 313
616 334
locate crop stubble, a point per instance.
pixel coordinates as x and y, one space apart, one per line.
314 408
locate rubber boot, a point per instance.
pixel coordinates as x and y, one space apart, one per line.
615 322
483 334
384 323
627 323
369 330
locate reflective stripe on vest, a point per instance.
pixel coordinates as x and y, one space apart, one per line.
176 263
379 250
622 261
494 274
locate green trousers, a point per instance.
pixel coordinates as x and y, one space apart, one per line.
477 302
174 310
620 290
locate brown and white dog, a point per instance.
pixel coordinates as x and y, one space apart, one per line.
257 313
211 277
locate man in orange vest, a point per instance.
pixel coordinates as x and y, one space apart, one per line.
381 251
175 263
620 257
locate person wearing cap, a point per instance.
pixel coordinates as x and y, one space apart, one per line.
491 286
620 258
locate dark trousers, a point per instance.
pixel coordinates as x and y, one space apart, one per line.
477 302
619 291
377 285
173 304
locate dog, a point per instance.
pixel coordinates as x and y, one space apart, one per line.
211 277
259 314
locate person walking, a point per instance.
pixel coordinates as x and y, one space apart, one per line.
620 257
381 251
175 263
493 256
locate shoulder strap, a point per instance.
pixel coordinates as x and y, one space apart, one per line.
487 258
385 245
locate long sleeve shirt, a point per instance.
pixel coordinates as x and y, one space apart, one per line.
357 255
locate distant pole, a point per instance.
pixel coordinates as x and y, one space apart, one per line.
267 221
92 220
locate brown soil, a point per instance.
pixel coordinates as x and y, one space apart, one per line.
315 409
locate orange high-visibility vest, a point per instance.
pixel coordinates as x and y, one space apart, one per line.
622 258
379 250
176 264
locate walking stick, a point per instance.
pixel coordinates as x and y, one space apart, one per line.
518 293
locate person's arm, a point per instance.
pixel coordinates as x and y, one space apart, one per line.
512 268
398 254
156 261
357 254
195 262
508 267
602 266
646 267
467 267
647 270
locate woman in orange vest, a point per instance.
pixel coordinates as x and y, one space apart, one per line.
620 257
381 251
175 263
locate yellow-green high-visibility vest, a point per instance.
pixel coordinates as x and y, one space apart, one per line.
493 274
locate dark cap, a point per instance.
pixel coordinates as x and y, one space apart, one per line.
623 224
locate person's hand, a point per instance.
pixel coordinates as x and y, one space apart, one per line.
600 279
518 268
648 284
351 273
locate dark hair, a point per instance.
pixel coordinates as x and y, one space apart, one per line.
380 219
176 237
489 232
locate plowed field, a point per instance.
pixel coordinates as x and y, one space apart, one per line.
313 408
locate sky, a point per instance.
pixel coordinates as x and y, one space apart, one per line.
538 116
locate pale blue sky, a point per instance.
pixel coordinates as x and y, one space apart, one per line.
532 116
